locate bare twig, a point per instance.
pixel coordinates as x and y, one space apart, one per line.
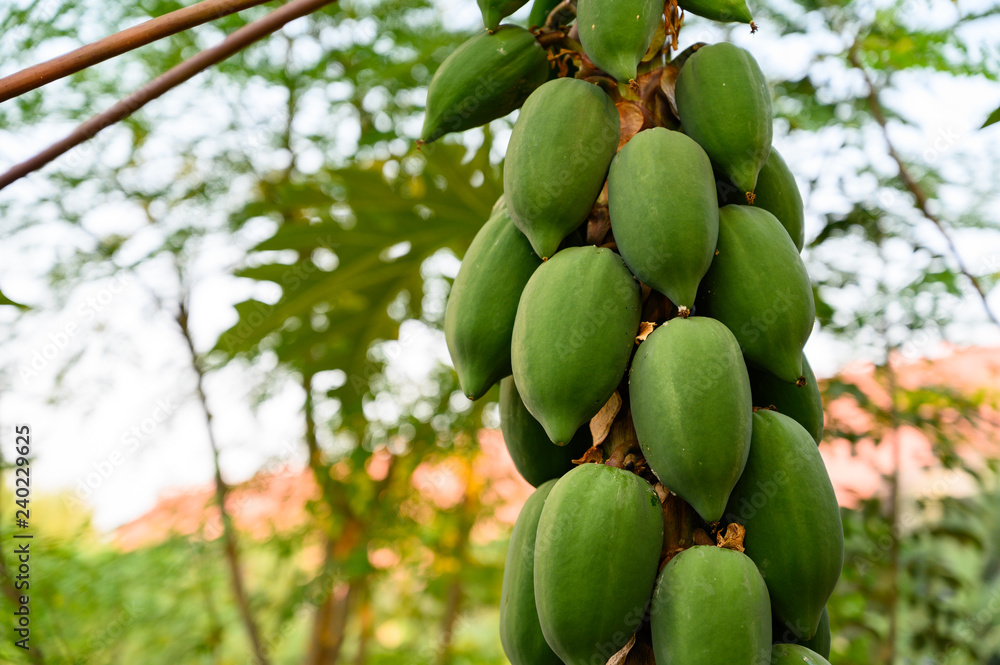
221 492
920 196
232 44
127 40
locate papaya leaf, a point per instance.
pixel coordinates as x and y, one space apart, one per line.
994 117
4 300
361 238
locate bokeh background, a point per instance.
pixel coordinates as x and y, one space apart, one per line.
235 297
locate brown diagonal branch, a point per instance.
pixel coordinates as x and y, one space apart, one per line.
173 77
920 196
127 40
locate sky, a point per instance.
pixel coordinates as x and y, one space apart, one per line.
121 427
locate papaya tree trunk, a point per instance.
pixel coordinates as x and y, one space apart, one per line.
452 607
330 626
366 615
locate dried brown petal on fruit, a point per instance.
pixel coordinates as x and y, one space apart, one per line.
619 658
649 86
732 539
594 455
645 328
600 425
633 120
668 80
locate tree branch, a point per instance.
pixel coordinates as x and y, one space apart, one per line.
127 40
221 491
920 196
231 45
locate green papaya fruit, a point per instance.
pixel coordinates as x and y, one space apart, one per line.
724 104
820 642
573 335
494 11
691 406
557 159
537 459
664 212
485 78
725 11
615 34
479 317
540 10
596 555
793 531
794 654
758 286
802 403
777 193
710 606
520 632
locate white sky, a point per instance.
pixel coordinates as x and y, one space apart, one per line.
125 427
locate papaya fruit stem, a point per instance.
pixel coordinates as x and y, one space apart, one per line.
801 381
751 197
683 312
681 523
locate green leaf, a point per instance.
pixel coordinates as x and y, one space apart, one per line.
4 300
993 117
380 232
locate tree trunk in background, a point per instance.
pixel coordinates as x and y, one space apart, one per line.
450 616
895 505
367 616
221 492
470 508
329 627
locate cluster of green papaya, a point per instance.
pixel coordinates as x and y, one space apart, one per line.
639 296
